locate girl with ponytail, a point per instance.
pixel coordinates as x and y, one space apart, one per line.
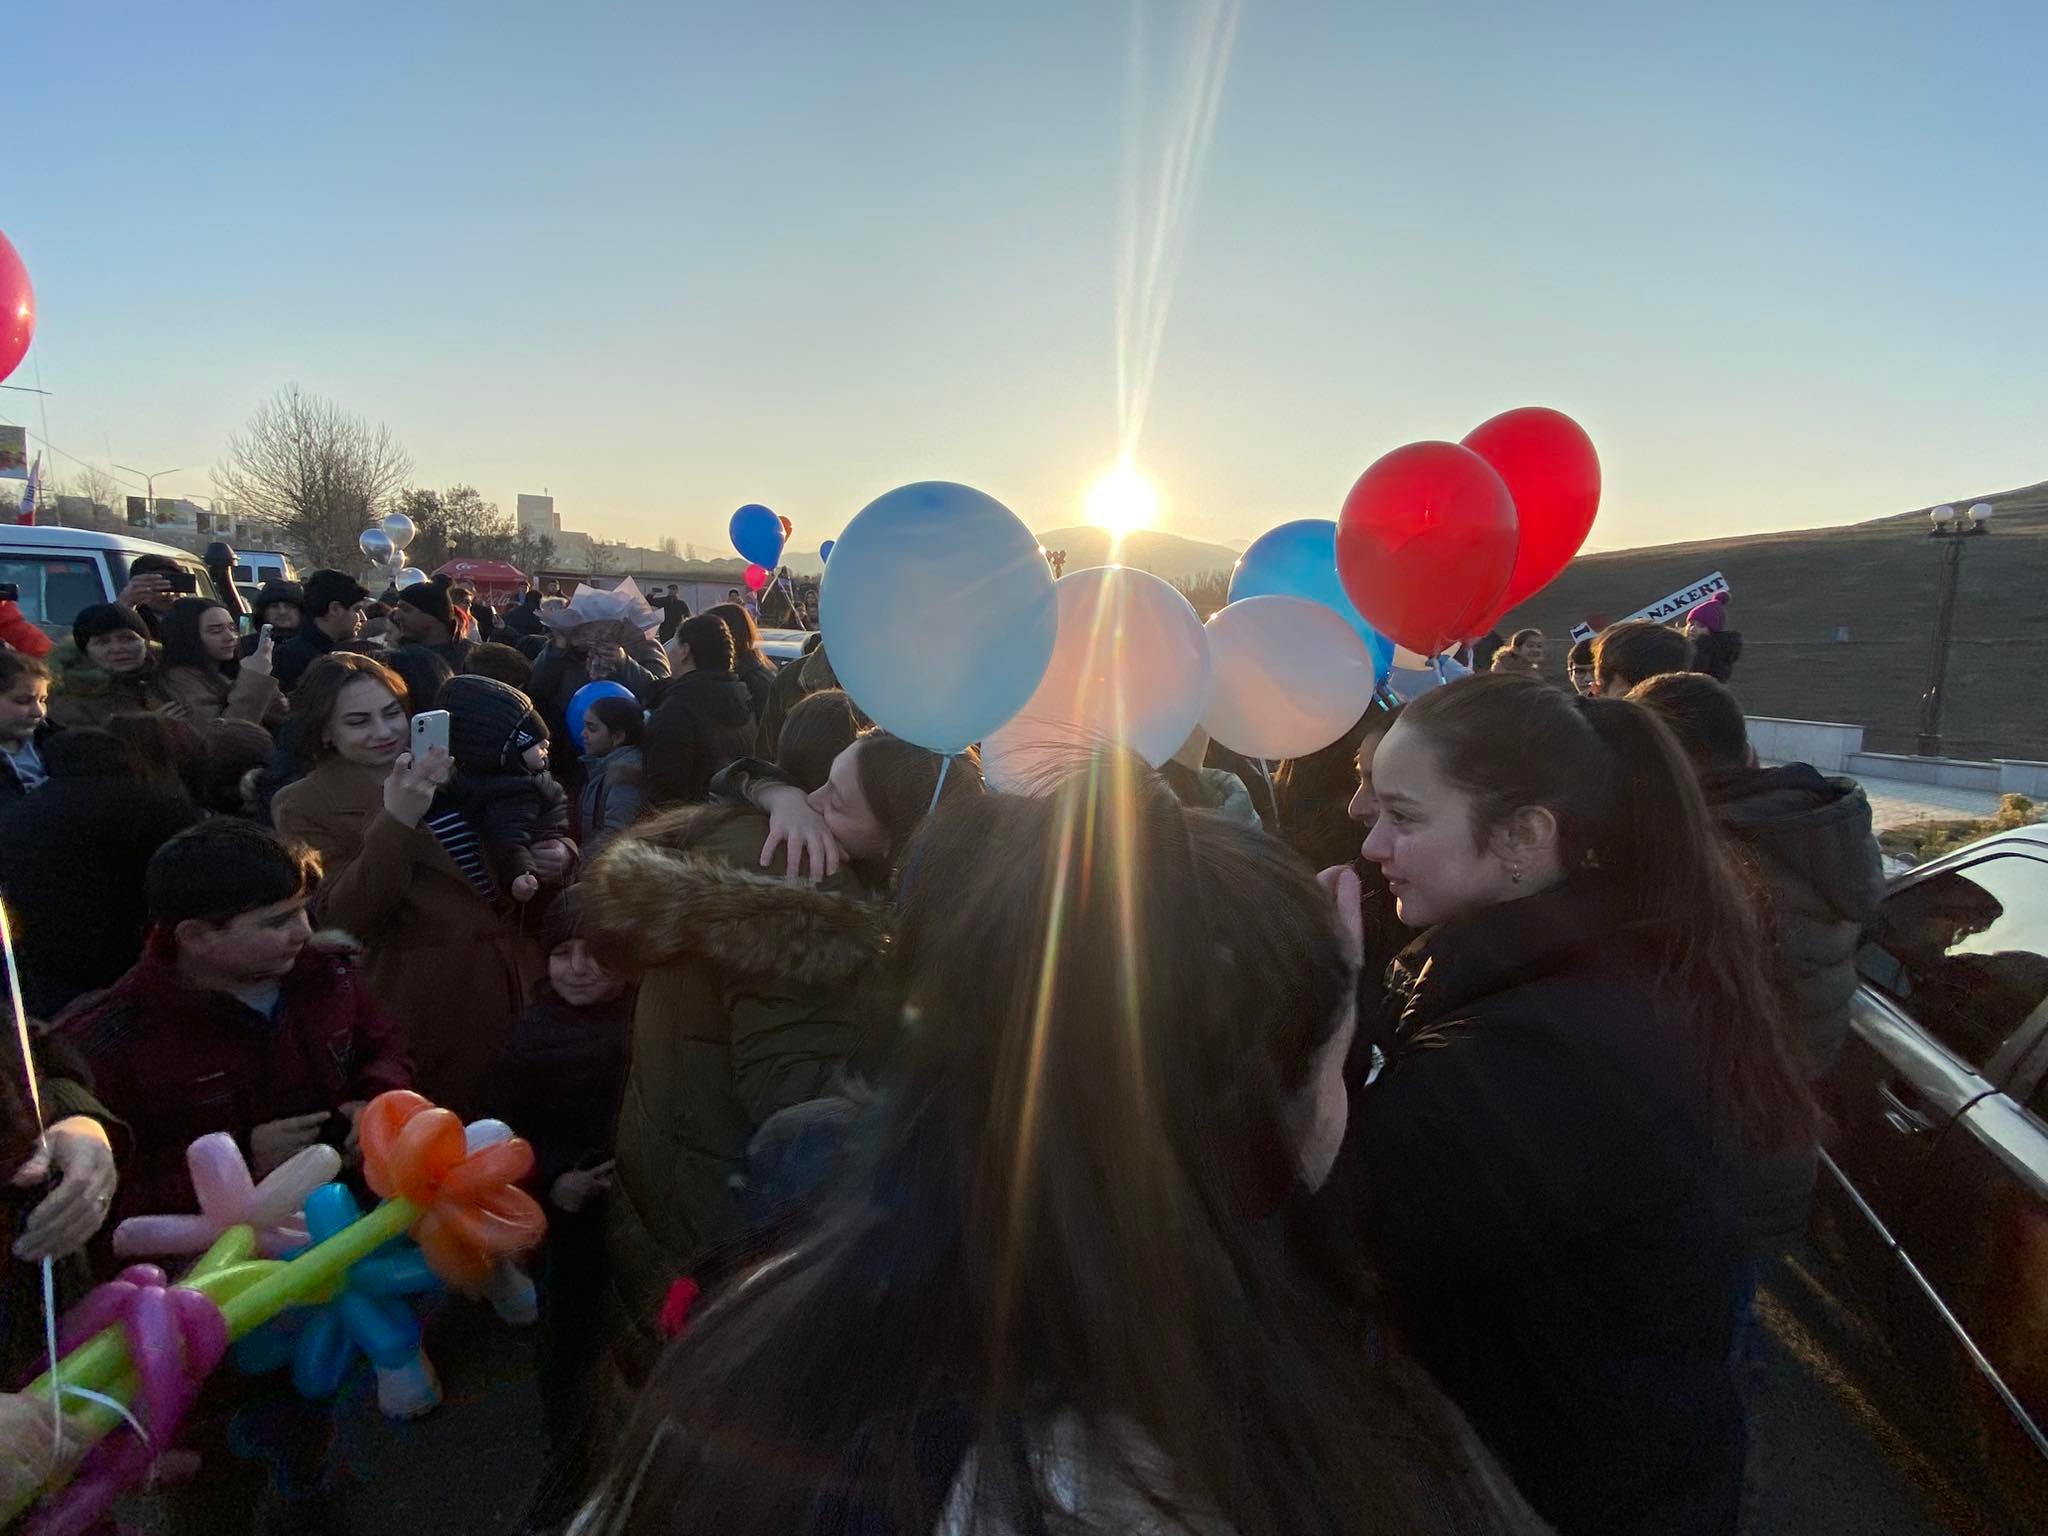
1586 1050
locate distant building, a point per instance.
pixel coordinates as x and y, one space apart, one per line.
537 515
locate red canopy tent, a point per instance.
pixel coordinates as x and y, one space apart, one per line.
492 580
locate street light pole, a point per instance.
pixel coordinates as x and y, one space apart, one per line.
1950 533
149 480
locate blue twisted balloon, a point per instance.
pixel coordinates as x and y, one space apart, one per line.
368 1317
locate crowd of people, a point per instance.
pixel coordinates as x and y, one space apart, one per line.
922 1159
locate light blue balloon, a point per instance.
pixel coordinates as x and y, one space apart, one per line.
1411 682
757 535
938 613
825 549
581 700
1299 559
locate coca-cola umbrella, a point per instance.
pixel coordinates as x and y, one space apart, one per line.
493 580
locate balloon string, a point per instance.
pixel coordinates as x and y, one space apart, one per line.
789 597
35 1099
945 763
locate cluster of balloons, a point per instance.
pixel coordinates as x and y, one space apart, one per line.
945 624
1437 541
17 308
385 545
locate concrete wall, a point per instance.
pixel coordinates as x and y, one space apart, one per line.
1826 745
1947 772
2019 777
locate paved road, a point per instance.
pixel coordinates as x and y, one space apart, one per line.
1835 1450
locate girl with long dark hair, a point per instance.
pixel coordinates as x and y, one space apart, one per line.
205 673
750 662
1584 1048
1042 1294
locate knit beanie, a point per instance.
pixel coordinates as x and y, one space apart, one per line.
431 599
489 723
281 592
105 619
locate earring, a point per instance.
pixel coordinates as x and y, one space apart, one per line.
1515 875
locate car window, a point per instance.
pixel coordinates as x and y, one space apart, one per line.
53 587
1965 952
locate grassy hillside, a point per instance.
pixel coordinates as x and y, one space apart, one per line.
1792 590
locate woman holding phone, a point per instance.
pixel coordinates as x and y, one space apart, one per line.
444 962
205 673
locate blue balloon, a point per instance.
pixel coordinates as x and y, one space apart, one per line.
581 700
938 612
825 549
1299 559
757 535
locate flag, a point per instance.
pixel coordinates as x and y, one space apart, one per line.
28 497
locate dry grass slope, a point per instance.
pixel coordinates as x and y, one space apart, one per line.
1878 580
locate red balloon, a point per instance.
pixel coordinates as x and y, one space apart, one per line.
756 577
1425 545
17 308
787 526
1553 474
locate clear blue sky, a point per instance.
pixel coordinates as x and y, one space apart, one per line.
1782 260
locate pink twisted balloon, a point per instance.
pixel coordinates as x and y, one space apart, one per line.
229 1197
175 1338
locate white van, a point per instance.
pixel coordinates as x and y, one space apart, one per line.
59 571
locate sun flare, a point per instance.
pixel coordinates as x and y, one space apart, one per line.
1123 500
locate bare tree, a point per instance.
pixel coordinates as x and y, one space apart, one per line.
316 471
690 553
457 521
603 558
90 498
668 546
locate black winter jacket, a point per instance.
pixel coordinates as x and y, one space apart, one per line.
1534 1176
705 720
72 857
510 812
560 1080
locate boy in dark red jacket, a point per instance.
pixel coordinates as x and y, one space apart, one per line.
231 1020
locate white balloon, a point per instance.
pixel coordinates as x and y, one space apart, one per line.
1130 668
399 529
411 576
375 544
1290 677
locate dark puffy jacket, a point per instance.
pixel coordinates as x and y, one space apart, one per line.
74 935
754 996
705 720
1810 839
1534 1176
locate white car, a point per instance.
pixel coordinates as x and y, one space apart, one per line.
60 571
784 645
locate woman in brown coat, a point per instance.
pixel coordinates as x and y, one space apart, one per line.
441 959
205 674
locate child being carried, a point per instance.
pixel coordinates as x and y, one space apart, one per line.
502 799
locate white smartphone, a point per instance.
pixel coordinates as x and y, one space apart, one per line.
266 632
429 730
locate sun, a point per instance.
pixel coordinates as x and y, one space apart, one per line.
1122 500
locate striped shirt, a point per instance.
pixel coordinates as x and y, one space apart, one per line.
453 831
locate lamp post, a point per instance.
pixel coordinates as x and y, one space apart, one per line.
149 480
1949 531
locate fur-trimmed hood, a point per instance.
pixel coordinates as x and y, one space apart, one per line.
688 884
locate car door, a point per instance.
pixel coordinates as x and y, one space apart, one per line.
1977 1242
1955 964
1945 1129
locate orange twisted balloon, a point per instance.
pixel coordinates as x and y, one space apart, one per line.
474 1211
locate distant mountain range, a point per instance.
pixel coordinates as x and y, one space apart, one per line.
1165 555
